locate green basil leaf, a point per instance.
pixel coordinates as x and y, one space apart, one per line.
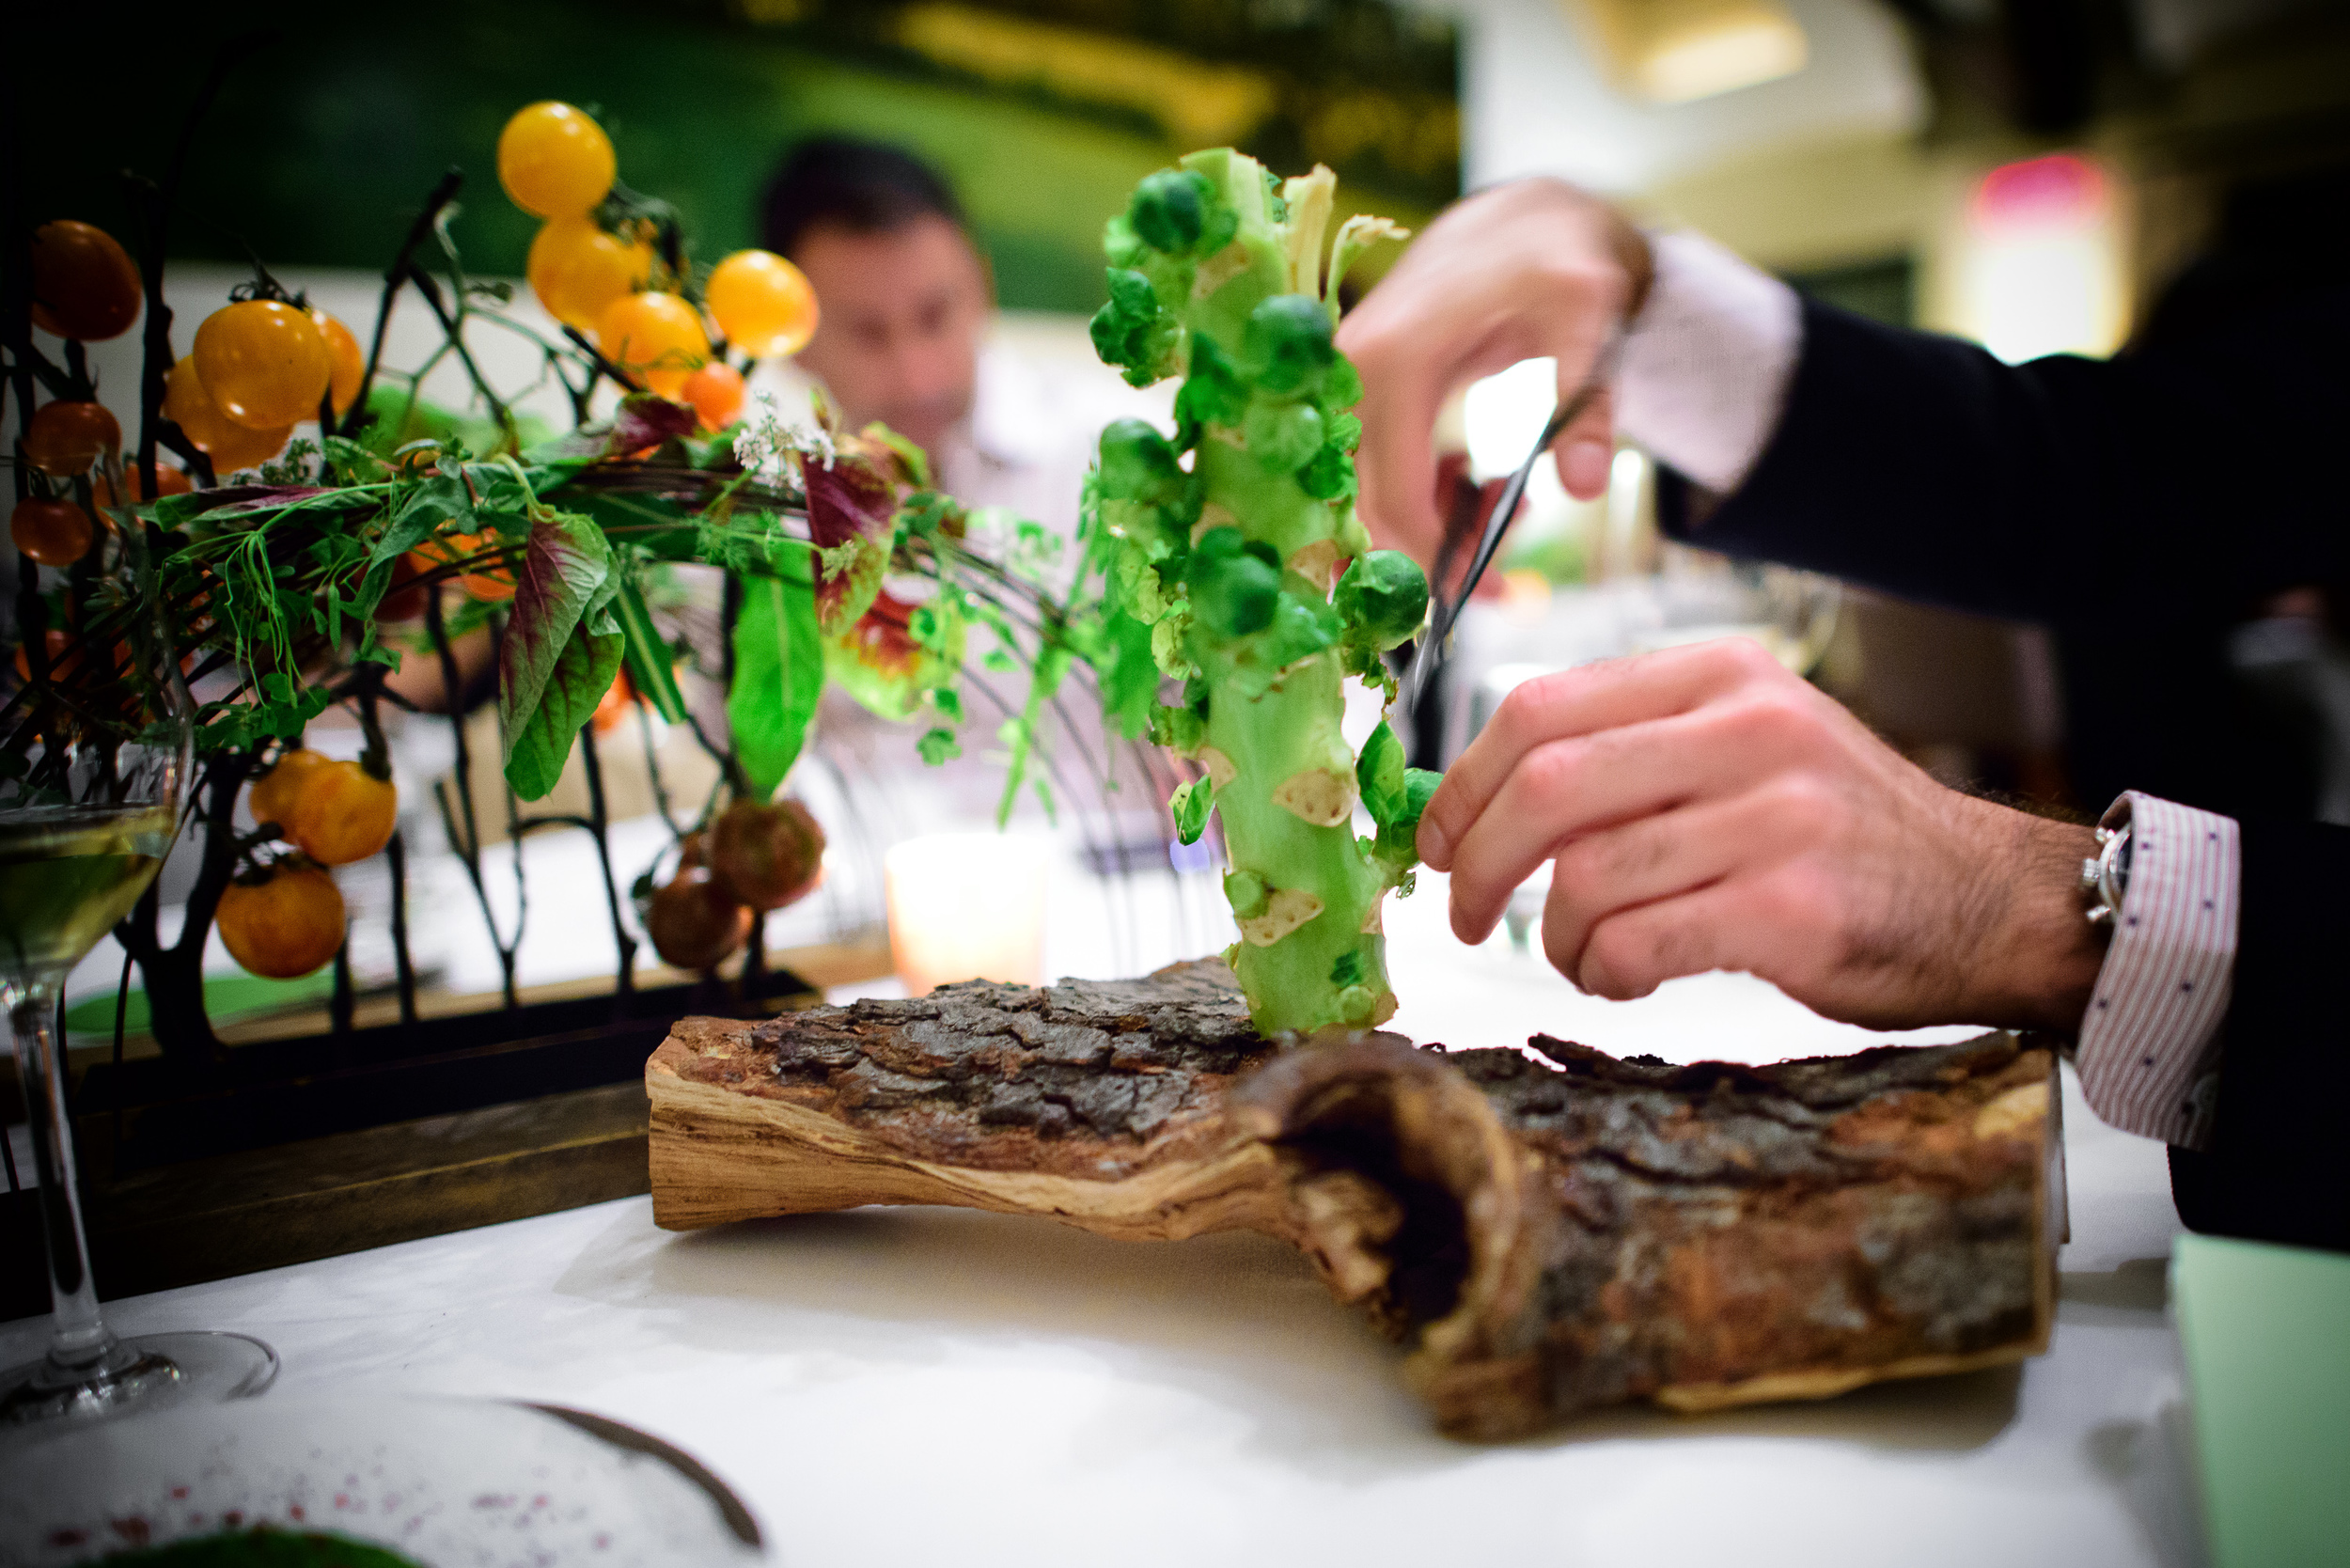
778 675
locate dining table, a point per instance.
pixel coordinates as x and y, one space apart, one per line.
918 1385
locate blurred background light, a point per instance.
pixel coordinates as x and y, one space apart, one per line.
1679 51
2041 266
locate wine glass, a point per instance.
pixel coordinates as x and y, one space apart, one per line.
94 769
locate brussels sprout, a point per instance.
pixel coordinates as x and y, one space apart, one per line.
1169 210
1234 589
1382 598
1287 344
1136 462
1282 436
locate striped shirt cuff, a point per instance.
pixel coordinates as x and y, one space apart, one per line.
2148 1057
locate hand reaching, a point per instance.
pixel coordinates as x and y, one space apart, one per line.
1708 809
1525 271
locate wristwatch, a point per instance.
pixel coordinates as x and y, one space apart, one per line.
2105 876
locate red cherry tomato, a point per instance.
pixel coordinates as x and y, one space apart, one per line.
65 438
84 283
55 533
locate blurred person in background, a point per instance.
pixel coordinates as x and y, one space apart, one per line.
908 308
1707 809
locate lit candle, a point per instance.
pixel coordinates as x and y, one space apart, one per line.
965 906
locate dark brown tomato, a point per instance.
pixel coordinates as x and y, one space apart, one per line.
693 922
768 855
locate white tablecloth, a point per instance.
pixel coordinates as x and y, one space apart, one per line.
913 1386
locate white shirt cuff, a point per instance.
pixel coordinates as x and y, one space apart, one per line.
2147 1055
1707 364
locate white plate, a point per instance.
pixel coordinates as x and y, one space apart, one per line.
453 1483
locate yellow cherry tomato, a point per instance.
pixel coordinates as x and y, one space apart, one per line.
264 363
277 793
656 337
762 302
554 161
285 927
342 353
577 270
229 444
344 814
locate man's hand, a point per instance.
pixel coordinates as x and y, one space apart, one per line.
1709 810
1525 271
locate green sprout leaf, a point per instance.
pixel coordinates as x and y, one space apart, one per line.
779 673
1190 805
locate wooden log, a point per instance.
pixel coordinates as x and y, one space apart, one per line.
1545 1231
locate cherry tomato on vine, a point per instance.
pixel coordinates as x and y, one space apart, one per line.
344 813
577 270
762 302
66 437
287 925
342 353
693 922
230 445
656 337
170 480
84 285
767 856
264 363
55 533
614 705
277 793
492 583
554 161
66 653
715 391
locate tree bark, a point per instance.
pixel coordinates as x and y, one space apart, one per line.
1544 1231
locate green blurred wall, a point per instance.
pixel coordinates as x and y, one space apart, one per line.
325 141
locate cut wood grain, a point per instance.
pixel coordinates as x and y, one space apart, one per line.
1544 1231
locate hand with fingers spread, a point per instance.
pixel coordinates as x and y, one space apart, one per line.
1531 269
1706 810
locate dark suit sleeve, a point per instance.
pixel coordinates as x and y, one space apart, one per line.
2068 492
2278 1167
2138 506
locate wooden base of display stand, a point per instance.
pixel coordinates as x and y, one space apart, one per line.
313 1146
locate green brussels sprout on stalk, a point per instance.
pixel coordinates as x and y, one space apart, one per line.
1236 546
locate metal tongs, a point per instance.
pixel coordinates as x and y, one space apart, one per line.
1430 655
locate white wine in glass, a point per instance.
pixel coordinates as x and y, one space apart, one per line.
94 769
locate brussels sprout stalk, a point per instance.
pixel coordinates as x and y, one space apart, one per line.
1232 559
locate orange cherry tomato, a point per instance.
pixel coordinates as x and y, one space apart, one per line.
264 363
491 584
762 302
554 161
614 705
230 445
577 270
277 793
344 813
55 533
169 481
715 391
65 438
285 927
85 284
342 353
66 655
656 337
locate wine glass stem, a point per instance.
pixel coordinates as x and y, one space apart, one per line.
78 1336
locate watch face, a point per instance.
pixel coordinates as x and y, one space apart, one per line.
2121 863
